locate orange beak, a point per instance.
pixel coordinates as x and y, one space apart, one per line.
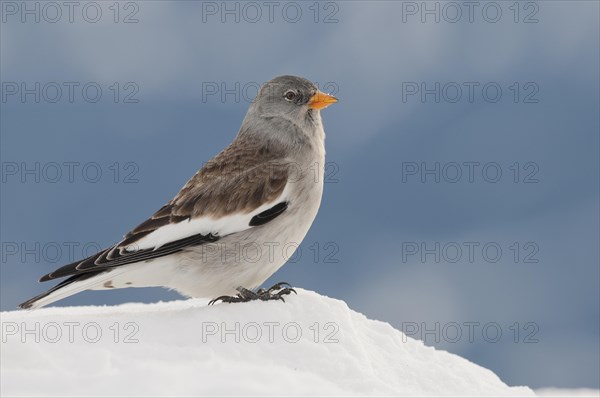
321 100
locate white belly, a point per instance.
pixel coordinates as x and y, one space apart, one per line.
248 258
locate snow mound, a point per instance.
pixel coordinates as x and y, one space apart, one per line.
568 392
309 345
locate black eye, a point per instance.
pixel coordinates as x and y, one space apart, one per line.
290 95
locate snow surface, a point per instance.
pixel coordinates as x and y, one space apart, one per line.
185 348
568 392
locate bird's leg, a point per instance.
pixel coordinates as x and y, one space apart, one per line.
243 296
275 292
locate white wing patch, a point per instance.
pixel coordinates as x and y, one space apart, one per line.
203 225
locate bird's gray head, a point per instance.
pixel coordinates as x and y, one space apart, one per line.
287 104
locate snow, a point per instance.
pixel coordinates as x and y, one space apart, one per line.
309 345
568 392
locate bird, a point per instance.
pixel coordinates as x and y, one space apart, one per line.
235 222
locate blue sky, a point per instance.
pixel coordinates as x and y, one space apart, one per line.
540 131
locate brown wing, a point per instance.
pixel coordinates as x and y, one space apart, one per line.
240 179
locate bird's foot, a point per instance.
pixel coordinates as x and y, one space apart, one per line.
275 292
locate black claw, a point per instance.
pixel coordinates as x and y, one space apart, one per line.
279 286
275 292
283 292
